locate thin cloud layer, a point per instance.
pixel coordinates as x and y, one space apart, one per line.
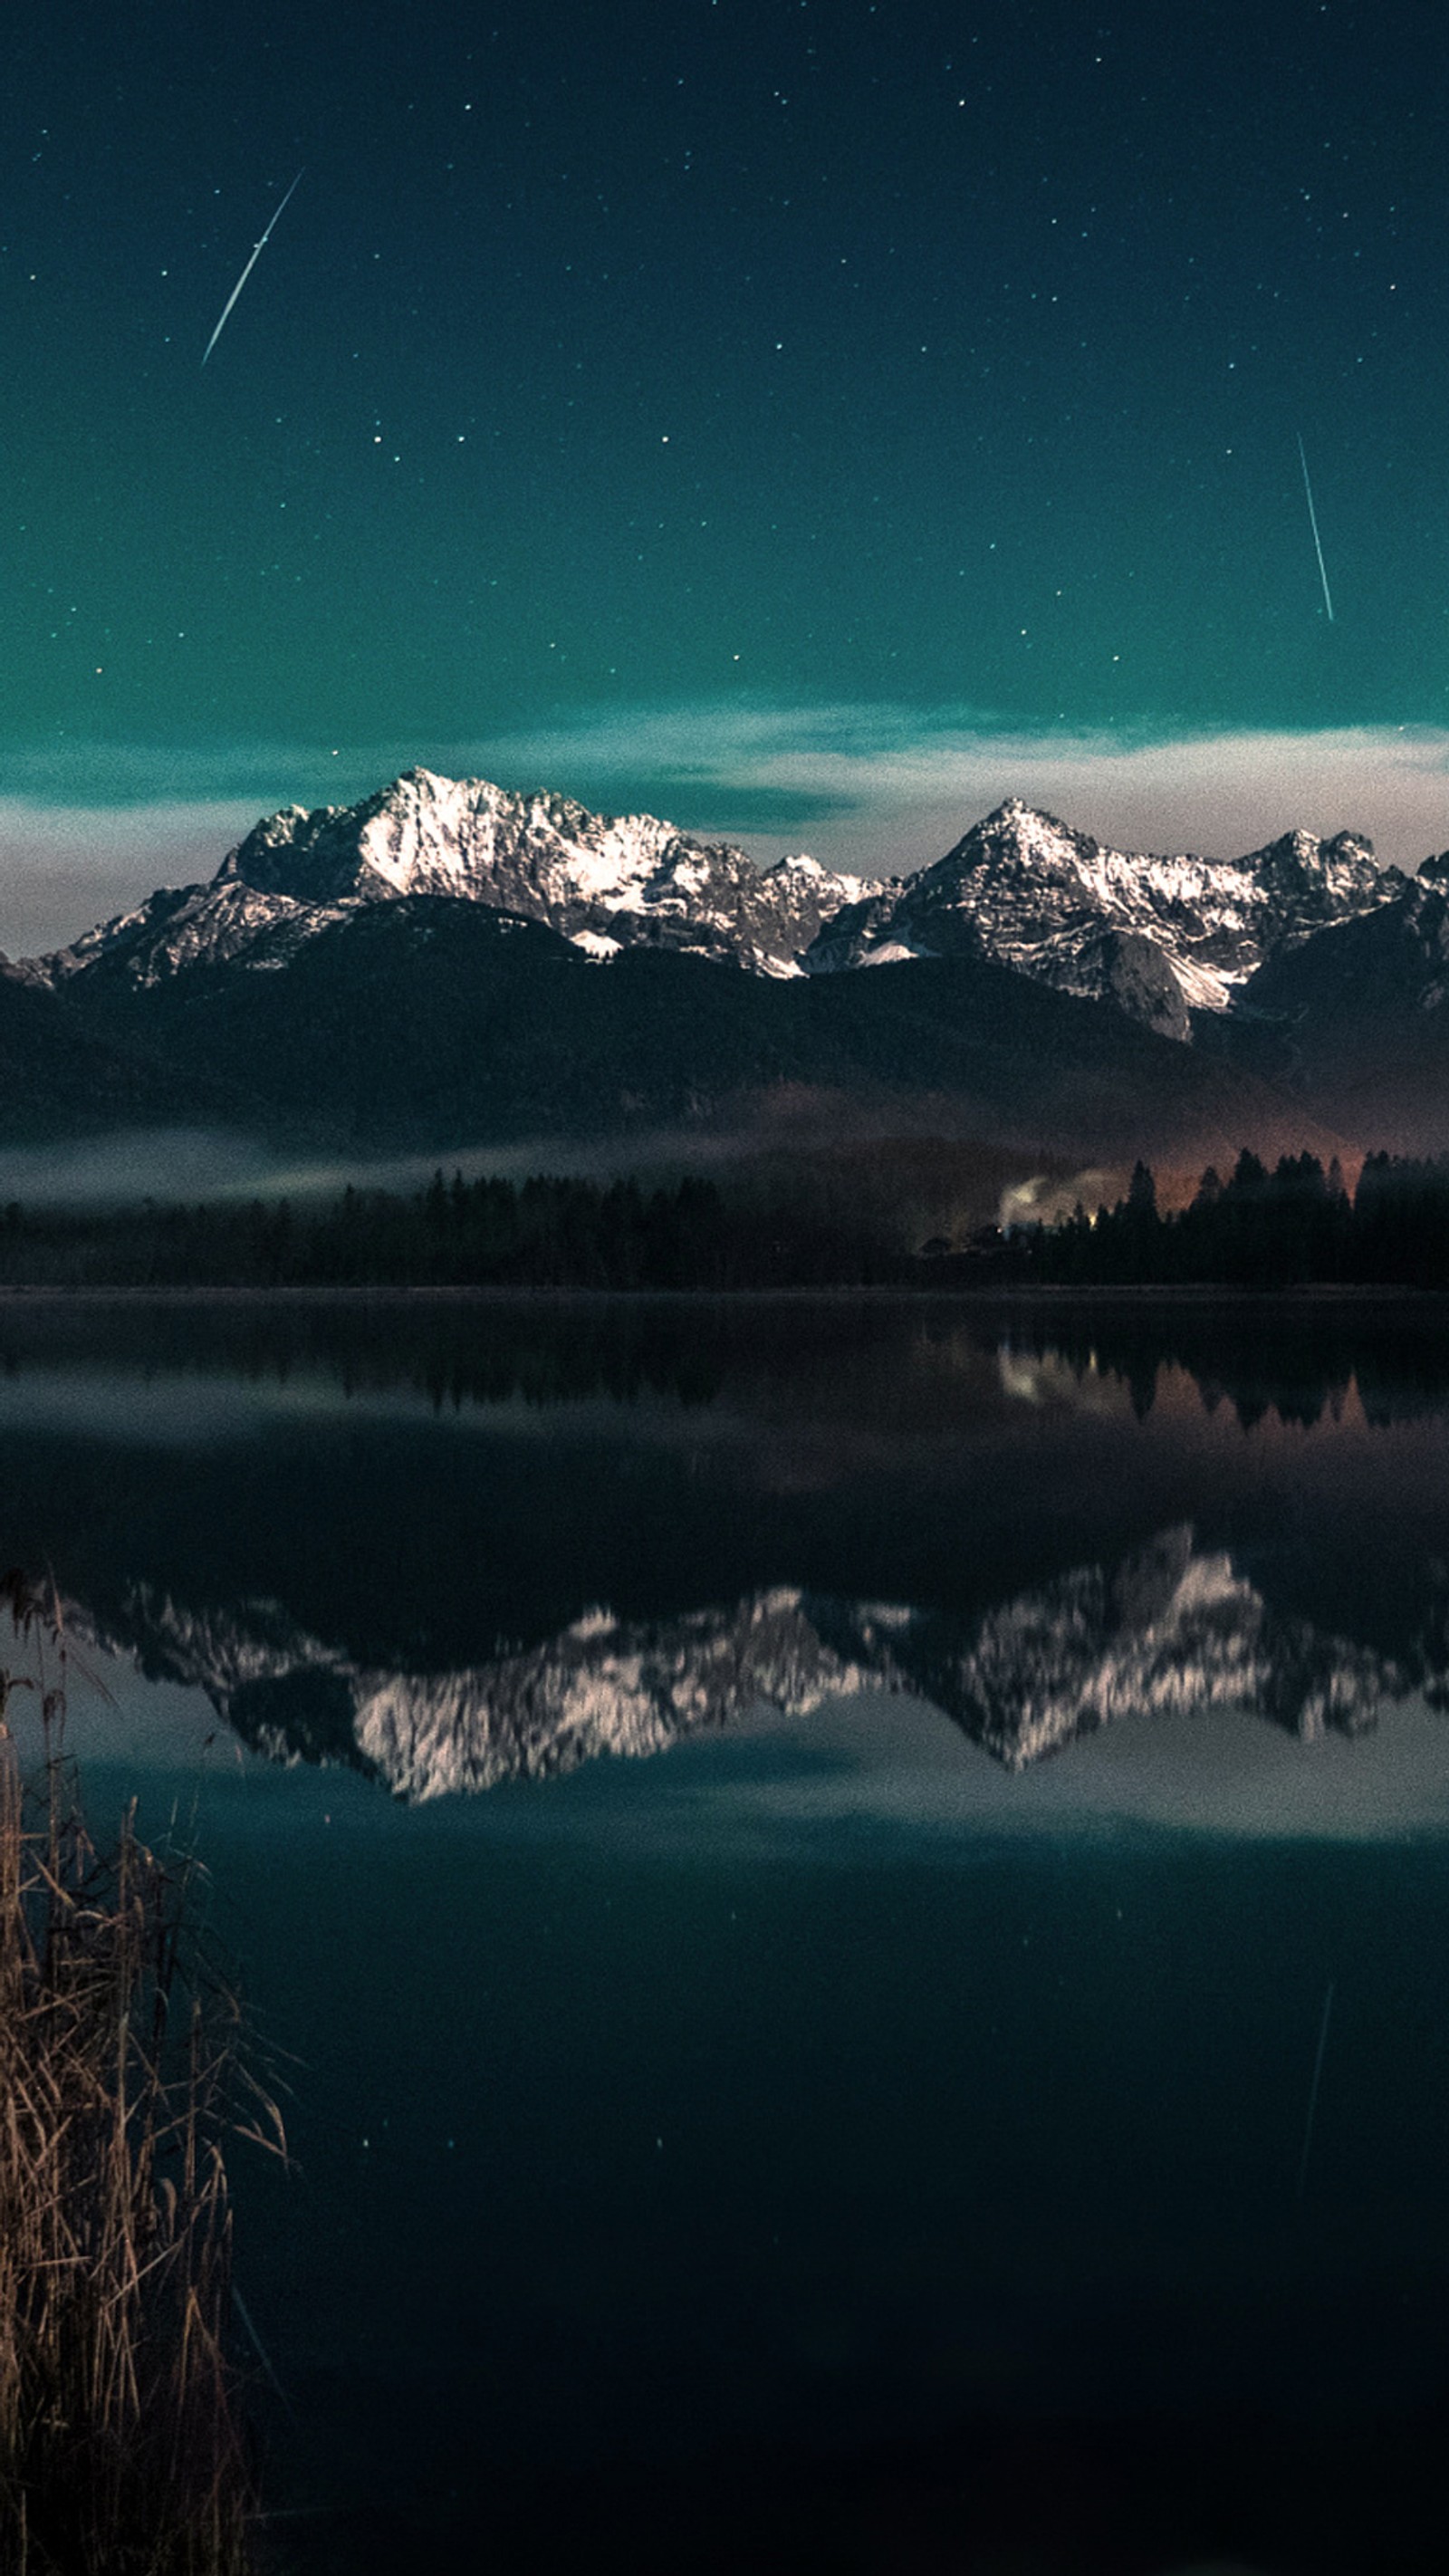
65 867
884 788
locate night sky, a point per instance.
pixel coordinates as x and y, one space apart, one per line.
785 414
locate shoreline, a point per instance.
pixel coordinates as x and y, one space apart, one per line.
1177 1293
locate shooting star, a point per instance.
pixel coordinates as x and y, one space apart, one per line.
251 264
1312 518
1317 2076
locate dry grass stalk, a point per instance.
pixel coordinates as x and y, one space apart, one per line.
121 2447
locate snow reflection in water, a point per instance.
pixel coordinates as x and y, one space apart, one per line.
1173 1630
459 1547
852 2075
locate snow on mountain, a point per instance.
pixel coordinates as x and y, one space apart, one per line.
602 1686
1157 937
1173 1629
1391 965
1160 937
1356 1020
605 882
188 926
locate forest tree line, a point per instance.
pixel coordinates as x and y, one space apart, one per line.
1287 1227
544 1232
1293 1225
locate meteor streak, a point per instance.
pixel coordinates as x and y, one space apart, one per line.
1317 2070
246 272
1312 513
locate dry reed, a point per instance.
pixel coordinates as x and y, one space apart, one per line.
122 2451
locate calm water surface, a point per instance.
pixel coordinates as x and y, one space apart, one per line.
859 1894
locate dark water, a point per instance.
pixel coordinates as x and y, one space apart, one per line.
859 1893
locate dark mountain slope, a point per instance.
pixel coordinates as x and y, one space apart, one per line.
62 1074
1153 936
1355 1023
429 1022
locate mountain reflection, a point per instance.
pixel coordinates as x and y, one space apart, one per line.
454 1547
1173 1629
601 1686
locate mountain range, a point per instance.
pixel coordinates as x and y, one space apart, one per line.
447 964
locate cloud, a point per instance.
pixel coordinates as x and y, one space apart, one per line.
64 867
875 788
170 1163
886 787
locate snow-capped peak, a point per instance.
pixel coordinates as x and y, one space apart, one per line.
627 879
1158 935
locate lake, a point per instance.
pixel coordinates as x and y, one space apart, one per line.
852 1896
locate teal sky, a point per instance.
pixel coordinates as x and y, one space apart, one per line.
723 363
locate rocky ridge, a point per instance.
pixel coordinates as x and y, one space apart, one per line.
1160 937
604 882
1356 1020
1157 937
